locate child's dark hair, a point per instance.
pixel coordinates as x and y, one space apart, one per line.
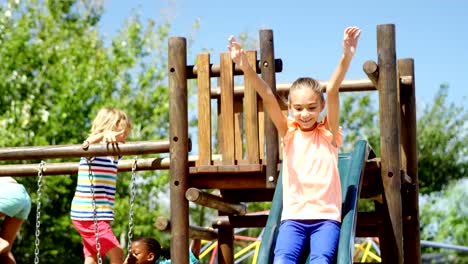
152 245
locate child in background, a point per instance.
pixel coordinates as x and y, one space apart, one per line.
15 206
311 214
147 250
110 126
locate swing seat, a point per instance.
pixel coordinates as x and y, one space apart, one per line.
351 166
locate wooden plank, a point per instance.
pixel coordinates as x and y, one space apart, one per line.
390 142
204 109
178 134
251 117
267 57
409 163
238 129
227 109
244 168
261 129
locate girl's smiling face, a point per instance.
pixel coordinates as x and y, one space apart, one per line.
305 106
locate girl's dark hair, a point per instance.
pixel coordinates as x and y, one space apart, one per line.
152 245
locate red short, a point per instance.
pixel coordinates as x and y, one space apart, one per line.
107 239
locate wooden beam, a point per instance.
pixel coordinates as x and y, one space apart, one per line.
215 202
178 135
228 181
215 69
76 151
250 195
372 71
69 168
195 232
358 85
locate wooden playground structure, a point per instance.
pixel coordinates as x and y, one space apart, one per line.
248 144
243 160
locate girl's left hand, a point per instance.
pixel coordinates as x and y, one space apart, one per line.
110 136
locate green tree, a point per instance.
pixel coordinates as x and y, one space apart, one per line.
442 143
57 72
443 219
441 136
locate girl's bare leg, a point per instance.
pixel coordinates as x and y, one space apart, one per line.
8 231
90 260
115 255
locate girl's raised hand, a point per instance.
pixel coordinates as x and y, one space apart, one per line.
350 40
237 54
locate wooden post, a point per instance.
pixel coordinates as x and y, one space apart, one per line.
225 245
178 133
409 163
267 57
392 251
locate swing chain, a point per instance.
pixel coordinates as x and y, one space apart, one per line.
38 212
96 228
132 199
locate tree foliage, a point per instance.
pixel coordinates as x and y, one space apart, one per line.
443 219
441 136
57 72
442 143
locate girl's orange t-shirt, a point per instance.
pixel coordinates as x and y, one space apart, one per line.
311 180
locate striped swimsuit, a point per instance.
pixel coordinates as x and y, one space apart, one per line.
104 171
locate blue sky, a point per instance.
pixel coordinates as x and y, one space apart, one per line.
308 33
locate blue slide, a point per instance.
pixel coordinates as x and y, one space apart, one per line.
351 166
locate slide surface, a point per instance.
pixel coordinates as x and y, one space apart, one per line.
351 166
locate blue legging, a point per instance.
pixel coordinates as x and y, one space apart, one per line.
296 235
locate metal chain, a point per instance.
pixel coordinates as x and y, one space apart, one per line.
132 199
96 228
38 212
